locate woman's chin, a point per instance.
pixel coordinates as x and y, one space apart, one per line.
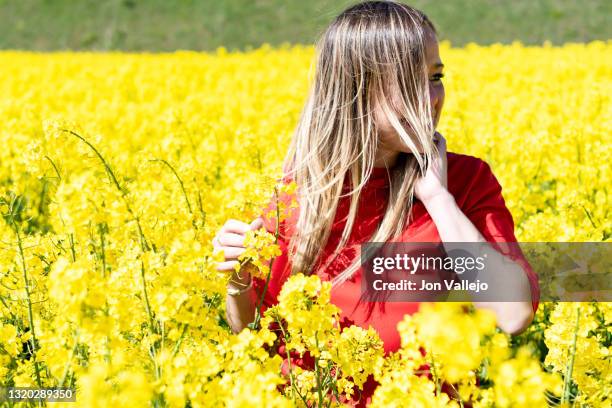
407 150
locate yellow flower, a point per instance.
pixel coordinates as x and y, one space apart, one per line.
118 169
261 247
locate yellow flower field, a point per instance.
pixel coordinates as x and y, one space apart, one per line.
117 170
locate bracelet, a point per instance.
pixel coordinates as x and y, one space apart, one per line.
244 285
236 292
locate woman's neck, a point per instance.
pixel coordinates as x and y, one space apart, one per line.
386 158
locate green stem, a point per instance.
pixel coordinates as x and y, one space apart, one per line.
179 180
434 374
143 240
570 368
201 208
334 384
102 250
72 251
107 167
43 193
29 300
54 167
180 340
458 396
286 338
268 276
146 297
316 362
588 214
72 352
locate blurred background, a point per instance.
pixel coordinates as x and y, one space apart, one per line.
167 25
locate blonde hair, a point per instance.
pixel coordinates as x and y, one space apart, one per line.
369 50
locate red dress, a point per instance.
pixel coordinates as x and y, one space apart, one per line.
476 191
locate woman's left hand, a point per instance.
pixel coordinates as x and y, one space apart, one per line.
435 180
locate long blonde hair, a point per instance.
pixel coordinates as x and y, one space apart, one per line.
367 51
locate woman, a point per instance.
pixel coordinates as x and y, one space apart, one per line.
370 167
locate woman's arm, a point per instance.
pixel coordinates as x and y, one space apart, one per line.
454 226
240 306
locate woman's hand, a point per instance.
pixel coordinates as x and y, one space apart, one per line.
230 239
435 180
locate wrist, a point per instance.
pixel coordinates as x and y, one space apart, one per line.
231 291
441 199
237 288
240 282
241 277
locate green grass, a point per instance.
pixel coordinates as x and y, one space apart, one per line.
165 25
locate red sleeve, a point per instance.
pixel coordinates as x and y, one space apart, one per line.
487 210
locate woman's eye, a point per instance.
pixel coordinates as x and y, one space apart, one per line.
438 77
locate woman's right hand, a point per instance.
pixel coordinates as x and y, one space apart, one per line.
230 239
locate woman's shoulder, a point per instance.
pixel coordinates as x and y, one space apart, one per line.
466 168
464 161
468 177
479 194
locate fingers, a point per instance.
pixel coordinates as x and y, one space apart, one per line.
236 226
257 223
438 138
227 265
230 243
231 253
229 239
240 227
440 142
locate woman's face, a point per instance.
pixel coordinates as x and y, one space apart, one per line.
389 141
